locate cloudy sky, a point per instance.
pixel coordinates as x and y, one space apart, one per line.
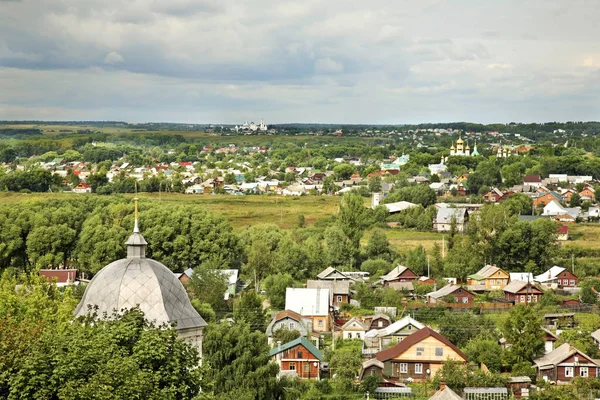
337 61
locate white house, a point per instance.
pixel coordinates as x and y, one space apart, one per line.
354 329
446 216
195 189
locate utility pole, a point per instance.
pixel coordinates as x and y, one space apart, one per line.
255 282
573 263
443 246
428 265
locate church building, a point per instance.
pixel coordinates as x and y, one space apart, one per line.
463 149
137 281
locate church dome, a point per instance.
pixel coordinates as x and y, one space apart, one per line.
137 281
459 141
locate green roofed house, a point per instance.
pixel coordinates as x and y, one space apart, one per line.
298 358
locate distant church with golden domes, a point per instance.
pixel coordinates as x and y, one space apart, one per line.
463 149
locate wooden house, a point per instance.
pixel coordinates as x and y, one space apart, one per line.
520 292
399 274
457 293
558 277
565 363
354 329
298 358
488 278
418 357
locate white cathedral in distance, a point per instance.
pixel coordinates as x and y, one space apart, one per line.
252 127
462 150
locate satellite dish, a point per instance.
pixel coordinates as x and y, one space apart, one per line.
428 371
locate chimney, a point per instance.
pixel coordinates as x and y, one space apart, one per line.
442 385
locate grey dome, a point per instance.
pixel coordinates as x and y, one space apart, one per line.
141 282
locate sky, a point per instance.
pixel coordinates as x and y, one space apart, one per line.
320 61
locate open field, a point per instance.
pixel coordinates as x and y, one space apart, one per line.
584 236
402 240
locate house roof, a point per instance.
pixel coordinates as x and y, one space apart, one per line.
396 272
399 206
355 320
307 301
335 287
521 276
596 335
485 272
287 314
558 355
445 394
413 339
532 179
549 275
516 286
445 291
395 327
402 286
444 215
299 341
333 272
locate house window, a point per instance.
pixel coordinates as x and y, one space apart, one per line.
465 300
306 367
320 323
379 324
535 298
399 339
529 298
403 368
569 372
420 351
439 351
565 282
409 327
349 335
292 366
358 335
418 368
292 326
522 298
583 371
572 282
299 354
339 299
498 281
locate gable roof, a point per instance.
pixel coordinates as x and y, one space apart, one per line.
299 341
413 339
516 286
558 355
353 320
287 314
444 215
395 327
532 179
549 275
596 335
329 271
485 272
396 272
445 291
445 394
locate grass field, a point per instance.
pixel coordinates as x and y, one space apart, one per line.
246 211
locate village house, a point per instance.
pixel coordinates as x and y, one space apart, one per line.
447 216
298 358
445 393
416 358
550 340
565 363
377 321
82 187
379 339
452 292
63 276
494 195
400 273
557 277
331 273
311 303
339 291
545 198
354 329
289 320
532 181
488 278
522 292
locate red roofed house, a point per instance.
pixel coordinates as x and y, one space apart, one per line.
63 277
563 233
418 357
532 180
82 187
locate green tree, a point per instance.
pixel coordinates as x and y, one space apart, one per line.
522 330
375 184
239 362
275 288
97 180
461 327
208 285
343 171
352 217
229 179
378 245
248 308
575 200
340 250
485 349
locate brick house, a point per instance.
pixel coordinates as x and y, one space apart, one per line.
298 357
564 363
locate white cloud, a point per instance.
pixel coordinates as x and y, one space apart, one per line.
328 66
113 58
